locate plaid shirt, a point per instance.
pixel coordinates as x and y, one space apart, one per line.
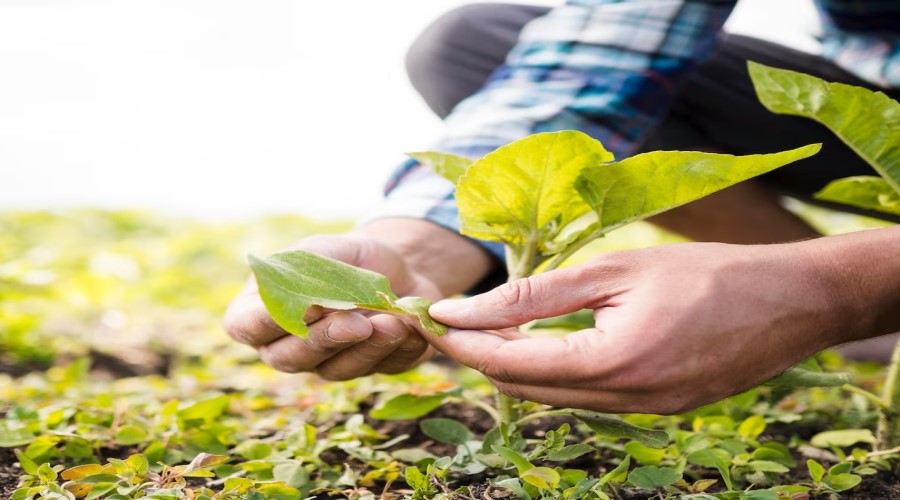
609 68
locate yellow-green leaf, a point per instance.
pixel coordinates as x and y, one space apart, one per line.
448 166
544 478
523 193
863 191
651 183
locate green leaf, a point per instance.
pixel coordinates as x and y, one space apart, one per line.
863 191
291 473
714 457
652 477
407 406
415 479
842 438
16 437
537 199
767 466
615 427
816 471
445 430
448 166
868 122
651 183
570 452
799 376
544 478
130 435
291 282
842 482
207 410
578 320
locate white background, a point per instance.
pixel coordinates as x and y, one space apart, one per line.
226 109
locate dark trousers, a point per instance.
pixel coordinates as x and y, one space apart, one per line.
715 110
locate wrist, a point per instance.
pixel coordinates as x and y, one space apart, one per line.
450 261
860 273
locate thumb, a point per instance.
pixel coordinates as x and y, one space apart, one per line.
553 293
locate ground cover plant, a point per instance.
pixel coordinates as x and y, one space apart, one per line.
121 385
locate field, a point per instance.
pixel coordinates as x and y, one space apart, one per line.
117 381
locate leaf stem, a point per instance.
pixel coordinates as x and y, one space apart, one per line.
543 414
888 434
574 247
490 410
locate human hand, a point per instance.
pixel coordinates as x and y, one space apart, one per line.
677 326
341 345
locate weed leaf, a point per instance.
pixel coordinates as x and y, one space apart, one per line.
652 477
445 430
407 406
614 427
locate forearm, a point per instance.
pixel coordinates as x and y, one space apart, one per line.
862 270
451 261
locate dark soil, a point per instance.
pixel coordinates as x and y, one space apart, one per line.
9 474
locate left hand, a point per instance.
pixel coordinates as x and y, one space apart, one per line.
677 326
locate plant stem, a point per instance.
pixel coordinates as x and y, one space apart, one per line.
509 408
574 247
871 397
889 420
486 408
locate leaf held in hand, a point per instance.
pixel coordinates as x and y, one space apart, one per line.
291 282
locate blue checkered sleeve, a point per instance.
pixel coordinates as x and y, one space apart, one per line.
606 67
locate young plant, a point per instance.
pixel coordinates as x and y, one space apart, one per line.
869 124
543 197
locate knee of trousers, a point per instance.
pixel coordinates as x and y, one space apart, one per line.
434 47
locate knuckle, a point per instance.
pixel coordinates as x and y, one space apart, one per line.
514 292
334 376
511 390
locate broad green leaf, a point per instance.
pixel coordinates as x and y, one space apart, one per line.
843 437
868 122
570 452
445 430
523 193
406 406
714 457
651 183
448 166
652 477
17 437
767 466
291 473
415 479
208 409
842 482
291 282
614 427
863 191
544 478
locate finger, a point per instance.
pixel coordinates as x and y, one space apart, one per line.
327 337
389 332
583 359
406 355
541 296
247 320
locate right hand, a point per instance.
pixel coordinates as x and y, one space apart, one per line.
341 344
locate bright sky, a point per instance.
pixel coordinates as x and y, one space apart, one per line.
224 109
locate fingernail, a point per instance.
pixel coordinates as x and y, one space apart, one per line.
339 334
449 307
